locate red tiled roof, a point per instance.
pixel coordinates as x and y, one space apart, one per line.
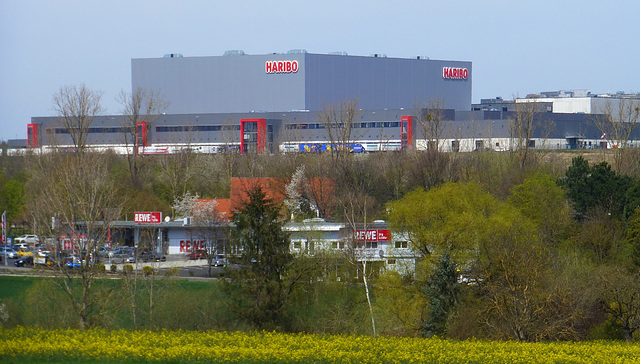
222 207
321 191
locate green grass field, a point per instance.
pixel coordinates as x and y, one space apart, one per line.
13 286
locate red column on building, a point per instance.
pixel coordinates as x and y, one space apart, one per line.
262 135
141 134
406 133
246 133
32 135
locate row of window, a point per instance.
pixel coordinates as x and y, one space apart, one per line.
205 128
369 125
341 245
111 130
159 129
192 128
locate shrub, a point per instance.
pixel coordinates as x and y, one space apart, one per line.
100 268
172 272
114 268
127 269
147 270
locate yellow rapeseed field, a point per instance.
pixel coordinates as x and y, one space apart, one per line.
271 347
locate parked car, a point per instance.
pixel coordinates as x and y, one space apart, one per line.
24 252
103 251
8 251
24 261
152 257
198 254
19 246
73 262
43 257
121 252
29 239
220 262
129 259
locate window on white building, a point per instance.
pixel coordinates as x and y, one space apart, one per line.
401 244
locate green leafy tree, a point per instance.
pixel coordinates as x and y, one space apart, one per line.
258 290
633 237
521 300
12 198
632 199
400 303
450 217
541 200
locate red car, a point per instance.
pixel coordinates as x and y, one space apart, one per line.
198 254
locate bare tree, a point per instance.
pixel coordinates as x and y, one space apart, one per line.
617 123
430 119
526 122
230 149
620 297
320 184
77 106
176 172
209 227
339 122
356 249
139 106
78 192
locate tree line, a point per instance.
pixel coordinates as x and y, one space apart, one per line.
546 252
524 245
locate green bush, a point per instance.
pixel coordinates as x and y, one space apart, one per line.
114 268
100 268
127 269
147 270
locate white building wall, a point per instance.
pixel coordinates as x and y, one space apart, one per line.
568 105
183 241
582 105
323 236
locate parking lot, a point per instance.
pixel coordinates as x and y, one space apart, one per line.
188 268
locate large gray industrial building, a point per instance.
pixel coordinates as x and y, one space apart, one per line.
241 83
272 102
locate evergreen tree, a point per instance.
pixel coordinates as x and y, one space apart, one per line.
598 186
257 289
442 290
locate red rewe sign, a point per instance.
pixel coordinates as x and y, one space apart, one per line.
281 66
372 235
188 246
455 73
147 217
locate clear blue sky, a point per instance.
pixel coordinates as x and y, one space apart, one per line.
517 47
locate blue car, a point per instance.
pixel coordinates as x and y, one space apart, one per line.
73 263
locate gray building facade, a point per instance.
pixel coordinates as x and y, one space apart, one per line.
301 81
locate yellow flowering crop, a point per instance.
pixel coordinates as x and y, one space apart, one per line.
269 347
